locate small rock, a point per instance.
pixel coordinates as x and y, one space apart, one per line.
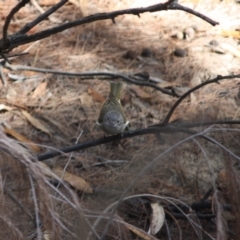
214 43
179 52
180 35
189 33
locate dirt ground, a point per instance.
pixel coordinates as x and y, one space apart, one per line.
176 49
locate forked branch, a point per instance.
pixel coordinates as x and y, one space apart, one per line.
21 38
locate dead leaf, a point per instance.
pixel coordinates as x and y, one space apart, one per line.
231 33
36 122
18 105
97 97
40 90
75 181
139 232
86 100
140 92
230 49
157 219
22 139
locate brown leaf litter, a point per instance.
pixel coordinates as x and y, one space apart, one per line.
55 110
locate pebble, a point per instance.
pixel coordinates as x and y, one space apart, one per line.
214 43
189 33
179 52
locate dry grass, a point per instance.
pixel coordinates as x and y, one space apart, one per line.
69 111
29 206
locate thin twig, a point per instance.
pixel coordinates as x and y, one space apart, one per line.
38 223
42 17
14 55
215 80
146 168
113 75
2 76
208 123
14 198
3 56
141 173
177 6
68 162
146 131
112 162
4 42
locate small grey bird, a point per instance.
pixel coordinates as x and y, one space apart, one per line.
112 119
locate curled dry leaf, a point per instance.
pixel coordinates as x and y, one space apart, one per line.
228 48
139 232
3 107
15 77
22 139
157 219
75 181
97 97
36 122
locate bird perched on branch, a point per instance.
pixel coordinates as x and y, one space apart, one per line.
112 119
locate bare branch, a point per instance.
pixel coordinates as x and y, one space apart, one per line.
215 80
163 127
176 6
111 75
20 39
104 140
2 76
4 43
145 131
43 16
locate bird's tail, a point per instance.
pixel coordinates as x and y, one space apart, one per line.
116 89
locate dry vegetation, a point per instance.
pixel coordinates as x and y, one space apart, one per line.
53 111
